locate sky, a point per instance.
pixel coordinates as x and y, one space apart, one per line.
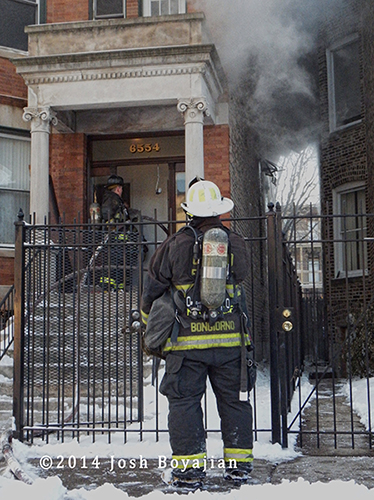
53 489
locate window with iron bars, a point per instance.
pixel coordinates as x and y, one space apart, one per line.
350 230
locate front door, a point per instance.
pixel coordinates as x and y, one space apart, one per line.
153 171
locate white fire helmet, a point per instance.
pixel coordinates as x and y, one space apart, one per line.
204 200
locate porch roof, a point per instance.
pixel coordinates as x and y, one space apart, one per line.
123 63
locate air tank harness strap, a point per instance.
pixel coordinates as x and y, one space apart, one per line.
175 330
243 368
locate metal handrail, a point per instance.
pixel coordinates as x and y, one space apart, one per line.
6 327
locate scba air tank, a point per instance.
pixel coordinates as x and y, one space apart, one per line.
214 268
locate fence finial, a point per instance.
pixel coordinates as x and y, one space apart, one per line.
20 215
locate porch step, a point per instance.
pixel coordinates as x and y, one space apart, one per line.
6 390
58 330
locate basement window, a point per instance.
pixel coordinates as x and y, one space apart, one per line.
163 7
107 9
344 88
350 230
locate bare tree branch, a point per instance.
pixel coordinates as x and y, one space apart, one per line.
297 179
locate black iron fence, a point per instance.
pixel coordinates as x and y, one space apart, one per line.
78 359
334 254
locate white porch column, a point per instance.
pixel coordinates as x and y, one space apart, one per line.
41 120
193 111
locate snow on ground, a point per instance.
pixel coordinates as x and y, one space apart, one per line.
363 398
53 489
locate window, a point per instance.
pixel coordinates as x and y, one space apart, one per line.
15 15
163 7
343 63
350 230
314 272
14 183
179 195
109 8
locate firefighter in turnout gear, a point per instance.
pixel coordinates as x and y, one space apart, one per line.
120 256
211 340
113 208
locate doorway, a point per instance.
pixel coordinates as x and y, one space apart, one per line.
152 168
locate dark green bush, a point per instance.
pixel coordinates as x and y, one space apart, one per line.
359 349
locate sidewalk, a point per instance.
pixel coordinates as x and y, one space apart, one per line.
145 480
322 458
317 462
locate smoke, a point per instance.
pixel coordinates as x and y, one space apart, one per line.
268 50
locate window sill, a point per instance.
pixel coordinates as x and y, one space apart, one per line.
7 252
343 128
354 275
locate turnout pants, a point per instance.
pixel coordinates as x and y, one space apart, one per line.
184 385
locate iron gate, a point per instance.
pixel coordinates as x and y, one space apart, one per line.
79 365
336 328
79 359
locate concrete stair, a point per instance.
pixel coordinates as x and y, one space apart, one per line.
6 390
79 360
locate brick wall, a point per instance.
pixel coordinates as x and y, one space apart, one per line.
132 8
68 171
347 155
59 11
13 90
368 71
246 194
343 153
192 6
217 157
6 270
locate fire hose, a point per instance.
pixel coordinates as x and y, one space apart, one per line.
13 465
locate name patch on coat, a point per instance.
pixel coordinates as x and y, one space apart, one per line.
219 326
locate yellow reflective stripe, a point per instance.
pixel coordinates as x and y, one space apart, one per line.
144 317
184 288
179 347
112 282
232 290
239 454
209 337
106 280
205 342
188 461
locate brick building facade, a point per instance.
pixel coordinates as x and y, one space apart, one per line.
346 151
13 98
92 82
